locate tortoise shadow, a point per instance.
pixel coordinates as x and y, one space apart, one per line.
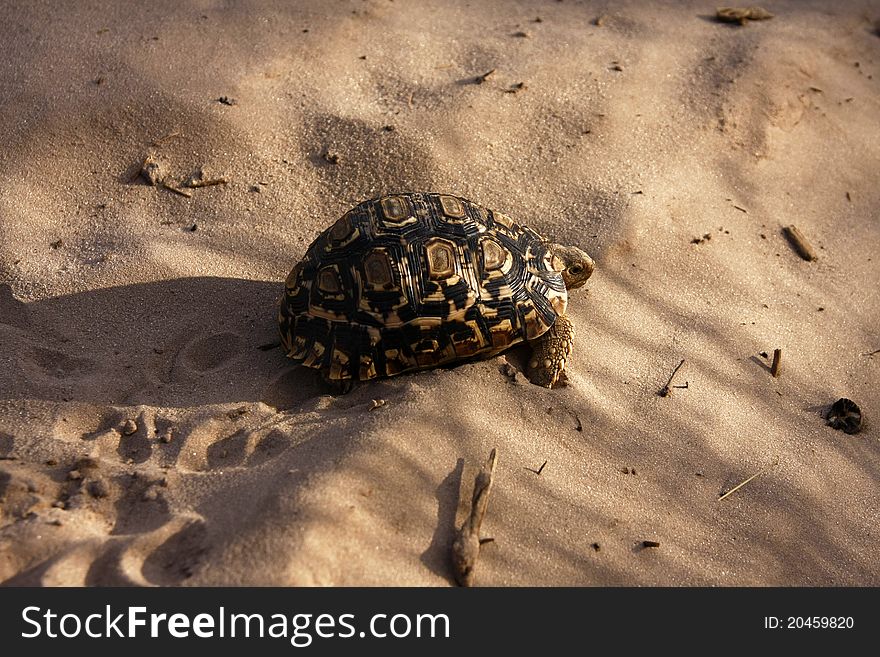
176 343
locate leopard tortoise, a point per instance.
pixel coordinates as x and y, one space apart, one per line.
413 281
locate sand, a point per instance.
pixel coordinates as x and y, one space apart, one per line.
152 435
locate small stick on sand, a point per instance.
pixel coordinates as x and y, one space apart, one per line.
480 79
539 470
777 361
195 184
743 483
466 547
177 190
665 391
800 243
162 140
197 179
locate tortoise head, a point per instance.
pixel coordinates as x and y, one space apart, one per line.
575 265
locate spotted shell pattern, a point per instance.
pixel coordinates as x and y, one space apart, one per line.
413 281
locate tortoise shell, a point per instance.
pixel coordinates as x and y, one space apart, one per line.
412 281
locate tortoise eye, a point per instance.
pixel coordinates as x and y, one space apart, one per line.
574 270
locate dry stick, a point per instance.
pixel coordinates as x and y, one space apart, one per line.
466 547
177 190
539 470
480 79
800 243
777 361
743 483
162 140
205 183
665 391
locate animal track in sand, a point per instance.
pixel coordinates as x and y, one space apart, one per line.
77 422
212 352
59 365
126 434
179 553
292 388
166 555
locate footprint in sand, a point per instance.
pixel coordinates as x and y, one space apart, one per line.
212 352
59 365
175 553
164 556
291 389
126 434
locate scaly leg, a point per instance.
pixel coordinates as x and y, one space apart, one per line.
337 387
549 352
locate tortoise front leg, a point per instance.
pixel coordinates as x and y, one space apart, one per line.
337 387
549 352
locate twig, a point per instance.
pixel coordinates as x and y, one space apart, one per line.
197 179
665 391
743 483
539 470
205 183
650 544
177 190
480 79
800 243
871 353
162 140
777 362
466 547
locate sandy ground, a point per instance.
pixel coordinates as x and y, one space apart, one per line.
147 438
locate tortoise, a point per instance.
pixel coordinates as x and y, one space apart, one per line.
418 280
